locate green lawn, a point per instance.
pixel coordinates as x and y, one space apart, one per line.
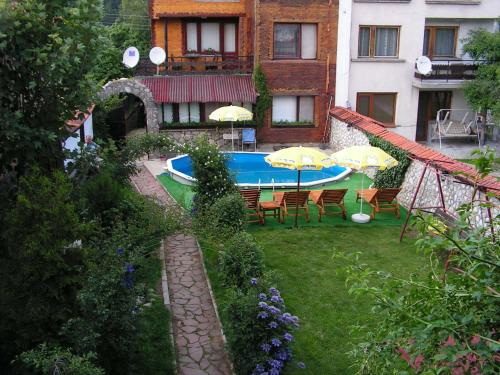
312 283
314 287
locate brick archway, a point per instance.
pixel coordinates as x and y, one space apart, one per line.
131 86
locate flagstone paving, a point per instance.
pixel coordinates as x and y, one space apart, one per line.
196 328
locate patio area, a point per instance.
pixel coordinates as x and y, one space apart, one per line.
183 194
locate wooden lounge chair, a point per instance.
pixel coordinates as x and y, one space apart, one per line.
251 198
380 200
288 201
329 198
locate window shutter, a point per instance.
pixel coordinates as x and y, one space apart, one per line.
210 36
285 108
386 41
306 108
194 109
230 37
309 41
191 37
183 112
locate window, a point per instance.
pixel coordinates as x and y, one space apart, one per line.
293 109
295 41
440 41
201 37
378 41
181 112
379 106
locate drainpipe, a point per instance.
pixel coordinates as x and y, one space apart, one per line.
343 53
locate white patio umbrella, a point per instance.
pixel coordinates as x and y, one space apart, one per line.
231 113
361 158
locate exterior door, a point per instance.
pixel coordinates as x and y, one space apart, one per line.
429 103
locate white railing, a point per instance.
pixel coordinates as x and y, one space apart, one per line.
456 123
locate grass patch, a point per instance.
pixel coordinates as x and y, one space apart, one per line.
153 353
313 286
183 194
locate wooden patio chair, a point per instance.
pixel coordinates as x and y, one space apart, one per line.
251 198
333 198
288 201
380 200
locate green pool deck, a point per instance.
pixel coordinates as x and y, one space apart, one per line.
183 194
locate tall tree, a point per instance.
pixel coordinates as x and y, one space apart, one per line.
135 13
46 49
483 93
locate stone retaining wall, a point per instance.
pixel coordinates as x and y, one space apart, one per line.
455 193
214 135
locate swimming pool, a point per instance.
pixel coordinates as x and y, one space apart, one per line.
251 170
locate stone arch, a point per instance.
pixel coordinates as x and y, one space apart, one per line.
131 86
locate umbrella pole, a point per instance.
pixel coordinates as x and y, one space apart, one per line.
232 137
297 200
362 180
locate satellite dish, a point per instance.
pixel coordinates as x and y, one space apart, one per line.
131 57
424 65
157 55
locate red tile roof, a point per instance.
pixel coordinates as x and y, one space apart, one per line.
416 150
202 88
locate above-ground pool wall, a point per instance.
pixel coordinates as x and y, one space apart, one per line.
455 193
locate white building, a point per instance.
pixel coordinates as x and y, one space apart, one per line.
79 128
379 42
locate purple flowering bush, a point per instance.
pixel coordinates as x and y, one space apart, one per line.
260 330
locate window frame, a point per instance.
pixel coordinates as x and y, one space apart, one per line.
198 22
371 102
372 40
297 109
299 41
432 40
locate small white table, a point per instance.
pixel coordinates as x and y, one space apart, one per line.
232 137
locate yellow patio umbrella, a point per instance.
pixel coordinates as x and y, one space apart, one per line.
231 113
362 158
299 158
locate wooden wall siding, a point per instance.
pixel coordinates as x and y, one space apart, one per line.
159 7
298 77
241 10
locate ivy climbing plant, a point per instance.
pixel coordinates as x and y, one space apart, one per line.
264 100
394 177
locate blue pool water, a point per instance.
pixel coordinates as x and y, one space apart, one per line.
250 169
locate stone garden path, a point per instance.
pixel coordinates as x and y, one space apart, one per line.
198 340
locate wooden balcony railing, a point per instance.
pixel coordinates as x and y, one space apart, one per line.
197 64
447 70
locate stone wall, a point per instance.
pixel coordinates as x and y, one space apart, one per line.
455 193
214 135
131 86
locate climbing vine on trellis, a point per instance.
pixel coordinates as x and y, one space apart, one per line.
394 177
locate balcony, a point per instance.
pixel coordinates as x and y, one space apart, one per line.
449 70
197 64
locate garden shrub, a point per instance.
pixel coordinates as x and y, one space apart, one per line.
393 177
40 267
259 330
229 211
101 194
56 360
213 179
264 99
240 260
